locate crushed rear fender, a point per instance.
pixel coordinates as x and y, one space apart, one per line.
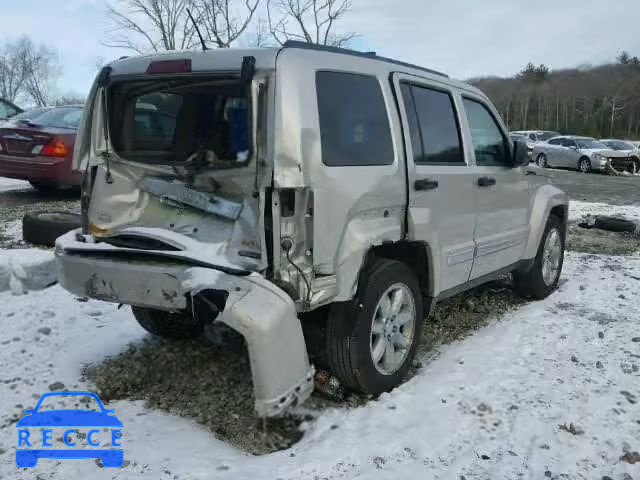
260 311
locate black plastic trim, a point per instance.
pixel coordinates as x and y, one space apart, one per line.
522 266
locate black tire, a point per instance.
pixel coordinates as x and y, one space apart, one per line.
349 329
613 224
531 284
541 161
43 228
584 165
173 325
45 187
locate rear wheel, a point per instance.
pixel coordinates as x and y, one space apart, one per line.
175 325
542 160
542 278
45 187
584 165
372 340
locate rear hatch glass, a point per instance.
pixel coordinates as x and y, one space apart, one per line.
198 122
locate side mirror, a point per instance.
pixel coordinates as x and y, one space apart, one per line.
520 154
573 147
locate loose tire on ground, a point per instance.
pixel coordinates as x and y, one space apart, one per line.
172 325
351 335
43 228
613 224
532 284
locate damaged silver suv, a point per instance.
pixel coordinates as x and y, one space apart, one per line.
253 187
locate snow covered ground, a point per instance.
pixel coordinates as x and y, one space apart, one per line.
488 407
579 209
9 184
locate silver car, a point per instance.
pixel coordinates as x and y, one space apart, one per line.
275 182
632 150
580 153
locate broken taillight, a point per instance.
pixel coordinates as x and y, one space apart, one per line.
170 66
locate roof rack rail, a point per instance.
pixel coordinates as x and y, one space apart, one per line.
355 53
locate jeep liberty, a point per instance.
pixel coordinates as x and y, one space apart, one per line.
254 187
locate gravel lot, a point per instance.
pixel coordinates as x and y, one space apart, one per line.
209 379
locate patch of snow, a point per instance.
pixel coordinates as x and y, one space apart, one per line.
27 269
10 184
578 209
488 407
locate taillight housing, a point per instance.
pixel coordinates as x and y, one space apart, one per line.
55 148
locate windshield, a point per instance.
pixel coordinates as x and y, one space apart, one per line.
60 117
197 122
619 145
544 136
590 143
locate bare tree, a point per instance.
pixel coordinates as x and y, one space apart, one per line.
150 25
224 21
11 70
27 71
70 98
310 21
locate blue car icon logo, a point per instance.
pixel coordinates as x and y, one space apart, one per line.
72 420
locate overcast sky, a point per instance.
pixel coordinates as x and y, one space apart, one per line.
464 38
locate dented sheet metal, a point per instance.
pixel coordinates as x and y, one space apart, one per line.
178 193
256 308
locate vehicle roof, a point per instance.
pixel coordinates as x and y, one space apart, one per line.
576 137
616 140
230 59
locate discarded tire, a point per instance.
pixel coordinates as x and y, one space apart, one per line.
43 228
615 224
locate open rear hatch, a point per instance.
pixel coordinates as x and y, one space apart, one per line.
174 166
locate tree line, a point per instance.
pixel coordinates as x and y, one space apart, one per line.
601 101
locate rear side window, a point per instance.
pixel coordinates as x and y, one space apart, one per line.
489 144
354 125
435 136
556 141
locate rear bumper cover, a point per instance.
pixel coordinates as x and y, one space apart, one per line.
263 313
39 169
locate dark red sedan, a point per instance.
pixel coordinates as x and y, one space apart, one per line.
39 149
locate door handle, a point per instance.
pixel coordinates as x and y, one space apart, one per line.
425 184
486 181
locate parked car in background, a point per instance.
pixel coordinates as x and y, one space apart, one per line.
627 147
580 153
8 109
39 149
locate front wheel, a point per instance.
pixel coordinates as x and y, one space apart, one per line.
584 165
542 278
372 340
542 161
